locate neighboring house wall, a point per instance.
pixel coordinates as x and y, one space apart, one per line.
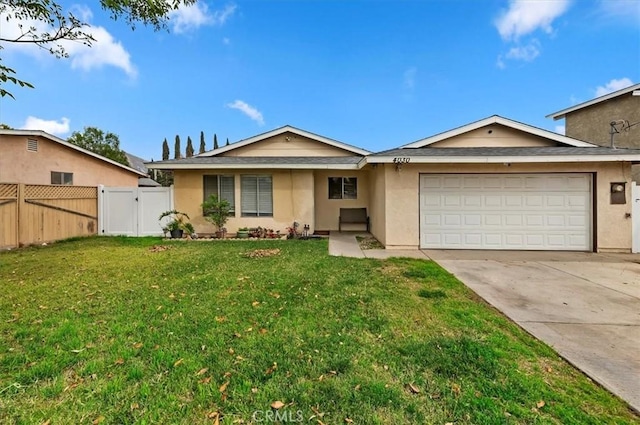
293 198
19 165
592 123
613 227
287 144
494 136
328 210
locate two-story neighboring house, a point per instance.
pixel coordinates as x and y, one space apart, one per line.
36 157
612 120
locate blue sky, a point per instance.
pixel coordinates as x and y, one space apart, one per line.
375 74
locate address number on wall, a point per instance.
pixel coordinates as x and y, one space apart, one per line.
401 160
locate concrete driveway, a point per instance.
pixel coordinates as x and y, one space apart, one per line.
586 306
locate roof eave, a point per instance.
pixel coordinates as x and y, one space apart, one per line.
562 113
160 166
63 142
503 159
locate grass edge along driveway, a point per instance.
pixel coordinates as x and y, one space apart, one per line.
117 330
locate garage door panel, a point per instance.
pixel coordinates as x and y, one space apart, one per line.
499 211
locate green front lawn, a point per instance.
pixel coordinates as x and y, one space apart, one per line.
113 331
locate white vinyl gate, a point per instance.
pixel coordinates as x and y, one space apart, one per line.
132 211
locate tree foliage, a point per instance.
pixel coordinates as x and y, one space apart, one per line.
189 152
165 150
215 141
95 140
46 24
177 149
227 142
203 146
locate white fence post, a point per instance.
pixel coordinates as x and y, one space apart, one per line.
635 217
100 209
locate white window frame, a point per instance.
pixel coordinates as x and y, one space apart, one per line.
64 178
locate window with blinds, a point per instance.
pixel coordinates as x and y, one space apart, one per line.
257 196
223 187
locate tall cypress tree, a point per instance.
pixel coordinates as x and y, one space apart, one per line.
189 147
176 149
203 146
227 142
165 150
215 141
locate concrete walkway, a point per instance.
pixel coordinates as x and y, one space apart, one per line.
345 244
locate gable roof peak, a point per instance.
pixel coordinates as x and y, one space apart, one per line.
281 130
497 119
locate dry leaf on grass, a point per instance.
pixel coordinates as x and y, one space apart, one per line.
277 404
177 363
202 371
98 420
159 248
261 253
223 387
540 404
119 361
413 389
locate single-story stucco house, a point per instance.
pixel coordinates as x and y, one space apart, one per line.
491 184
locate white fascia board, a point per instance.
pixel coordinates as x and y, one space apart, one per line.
282 130
504 159
496 119
254 166
560 114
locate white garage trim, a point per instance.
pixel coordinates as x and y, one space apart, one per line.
546 211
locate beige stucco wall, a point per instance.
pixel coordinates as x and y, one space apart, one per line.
377 202
293 197
613 228
18 165
592 123
328 210
494 135
288 144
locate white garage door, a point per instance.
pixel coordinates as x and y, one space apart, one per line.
506 211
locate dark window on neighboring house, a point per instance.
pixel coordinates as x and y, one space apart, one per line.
343 188
257 196
221 186
59 177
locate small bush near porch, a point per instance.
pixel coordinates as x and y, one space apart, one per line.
119 331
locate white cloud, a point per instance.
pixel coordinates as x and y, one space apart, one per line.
525 53
105 50
613 85
409 77
226 41
191 17
526 16
57 128
248 110
620 10
560 129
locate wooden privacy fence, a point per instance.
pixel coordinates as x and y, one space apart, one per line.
31 214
